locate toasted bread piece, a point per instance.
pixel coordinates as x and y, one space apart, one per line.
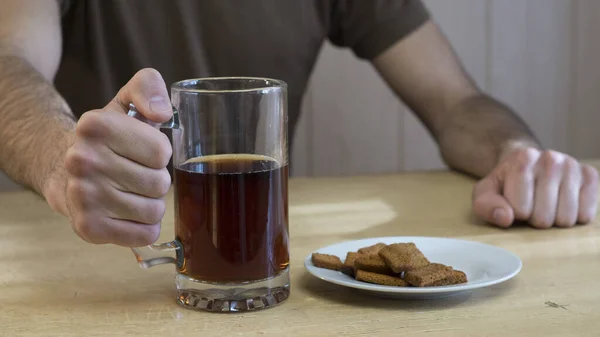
372 250
457 277
372 263
327 261
402 257
348 267
429 275
387 280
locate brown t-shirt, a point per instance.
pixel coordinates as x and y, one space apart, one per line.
107 41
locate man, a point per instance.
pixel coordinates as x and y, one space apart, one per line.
63 136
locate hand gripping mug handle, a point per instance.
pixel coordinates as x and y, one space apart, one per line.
161 253
172 123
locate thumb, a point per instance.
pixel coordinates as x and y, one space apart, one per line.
489 204
148 92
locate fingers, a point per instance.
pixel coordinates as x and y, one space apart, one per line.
91 196
123 174
544 188
519 183
490 205
588 195
101 230
126 137
129 206
148 92
568 195
152 183
104 214
548 180
116 167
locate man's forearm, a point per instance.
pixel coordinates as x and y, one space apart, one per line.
478 132
36 126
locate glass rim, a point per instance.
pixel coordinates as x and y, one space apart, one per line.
275 84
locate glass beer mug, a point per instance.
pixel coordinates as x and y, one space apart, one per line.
230 169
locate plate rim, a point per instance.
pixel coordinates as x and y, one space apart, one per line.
413 290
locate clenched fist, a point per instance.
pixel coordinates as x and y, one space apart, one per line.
117 174
543 188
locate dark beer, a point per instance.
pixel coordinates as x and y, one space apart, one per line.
232 217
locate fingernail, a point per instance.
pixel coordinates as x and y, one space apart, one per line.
159 104
498 215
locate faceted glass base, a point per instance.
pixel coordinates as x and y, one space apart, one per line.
232 297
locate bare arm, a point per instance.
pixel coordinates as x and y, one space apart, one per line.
107 171
480 136
36 125
473 130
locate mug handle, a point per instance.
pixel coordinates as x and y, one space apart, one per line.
161 253
172 123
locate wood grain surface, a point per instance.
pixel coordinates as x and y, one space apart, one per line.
54 284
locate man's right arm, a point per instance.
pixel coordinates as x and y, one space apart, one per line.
36 125
107 171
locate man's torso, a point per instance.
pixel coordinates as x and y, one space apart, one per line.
106 41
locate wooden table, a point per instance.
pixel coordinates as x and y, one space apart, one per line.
54 284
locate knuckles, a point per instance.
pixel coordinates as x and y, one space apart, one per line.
80 162
154 211
526 158
84 226
552 165
571 166
590 174
160 186
80 193
160 152
552 161
93 124
149 235
153 185
549 160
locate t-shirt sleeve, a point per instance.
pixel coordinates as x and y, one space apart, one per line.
369 27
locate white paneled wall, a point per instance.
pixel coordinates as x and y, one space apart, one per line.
541 57
584 138
530 61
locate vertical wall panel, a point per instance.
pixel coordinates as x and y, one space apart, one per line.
530 63
585 113
300 151
355 118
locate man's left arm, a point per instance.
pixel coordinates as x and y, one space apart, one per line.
480 136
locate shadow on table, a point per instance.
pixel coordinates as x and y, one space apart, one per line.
348 296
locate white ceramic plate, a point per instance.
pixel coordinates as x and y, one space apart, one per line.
485 265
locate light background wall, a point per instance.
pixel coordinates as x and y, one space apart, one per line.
541 57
